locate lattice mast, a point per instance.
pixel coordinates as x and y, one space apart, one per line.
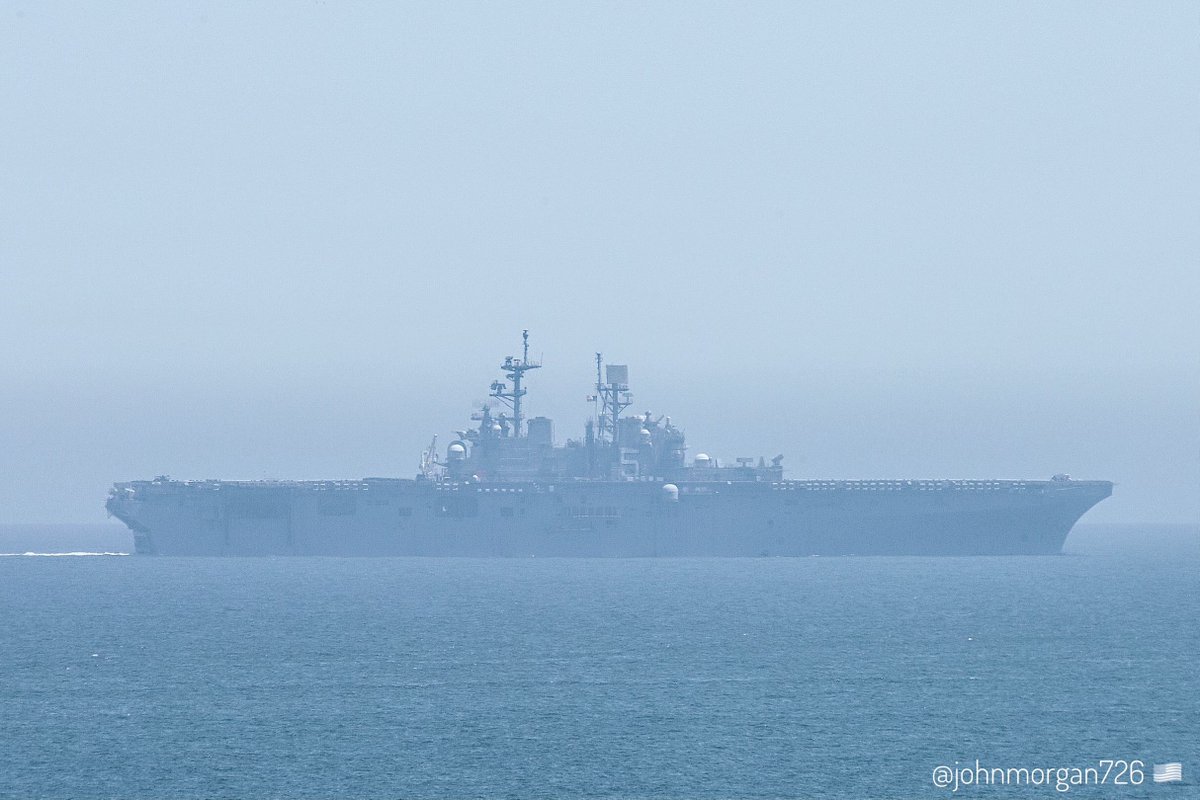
611 398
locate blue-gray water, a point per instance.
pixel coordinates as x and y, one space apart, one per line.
696 678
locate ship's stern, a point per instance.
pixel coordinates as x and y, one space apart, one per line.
124 504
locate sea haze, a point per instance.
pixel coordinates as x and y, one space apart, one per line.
704 678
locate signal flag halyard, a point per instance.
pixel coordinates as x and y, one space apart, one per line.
1168 773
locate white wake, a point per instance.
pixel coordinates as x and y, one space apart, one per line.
56 555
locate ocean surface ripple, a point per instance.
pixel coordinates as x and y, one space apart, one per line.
694 678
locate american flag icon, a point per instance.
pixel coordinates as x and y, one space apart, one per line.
1168 773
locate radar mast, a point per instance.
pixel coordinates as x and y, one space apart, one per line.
514 369
611 398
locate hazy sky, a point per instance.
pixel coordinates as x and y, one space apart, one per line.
887 240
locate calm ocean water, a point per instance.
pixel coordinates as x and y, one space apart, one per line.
695 678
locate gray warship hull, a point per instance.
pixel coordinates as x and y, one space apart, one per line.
581 518
626 489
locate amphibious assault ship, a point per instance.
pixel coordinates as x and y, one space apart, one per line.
625 489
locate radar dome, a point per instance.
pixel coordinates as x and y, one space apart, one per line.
702 460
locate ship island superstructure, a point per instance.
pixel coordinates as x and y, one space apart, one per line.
625 489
